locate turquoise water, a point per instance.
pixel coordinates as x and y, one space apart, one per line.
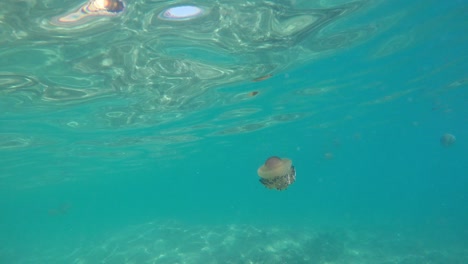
126 137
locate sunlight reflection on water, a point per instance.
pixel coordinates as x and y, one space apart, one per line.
159 65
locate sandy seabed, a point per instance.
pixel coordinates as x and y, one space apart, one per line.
172 242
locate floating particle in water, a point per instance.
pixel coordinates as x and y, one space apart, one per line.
62 209
357 136
447 140
328 155
277 173
185 12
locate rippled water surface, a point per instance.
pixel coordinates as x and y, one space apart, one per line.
130 133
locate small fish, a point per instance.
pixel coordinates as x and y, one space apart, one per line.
253 93
259 79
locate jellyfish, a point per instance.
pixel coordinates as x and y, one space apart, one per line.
277 173
447 140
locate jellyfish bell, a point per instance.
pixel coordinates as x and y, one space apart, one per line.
277 173
273 162
447 140
273 167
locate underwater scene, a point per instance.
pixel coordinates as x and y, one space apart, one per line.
221 131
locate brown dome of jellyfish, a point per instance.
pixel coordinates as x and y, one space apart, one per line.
273 162
277 173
